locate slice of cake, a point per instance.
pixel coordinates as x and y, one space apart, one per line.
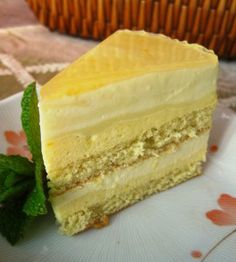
128 119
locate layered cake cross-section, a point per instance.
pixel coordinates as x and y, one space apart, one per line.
128 119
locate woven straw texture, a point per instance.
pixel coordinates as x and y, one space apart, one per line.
211 23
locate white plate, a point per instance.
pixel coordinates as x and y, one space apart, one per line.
170 226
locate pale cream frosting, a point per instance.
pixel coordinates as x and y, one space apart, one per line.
125 99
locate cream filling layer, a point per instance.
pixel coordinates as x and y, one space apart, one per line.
125 98
153 142
94 191
59 152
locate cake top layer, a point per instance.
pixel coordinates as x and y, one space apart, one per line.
124 55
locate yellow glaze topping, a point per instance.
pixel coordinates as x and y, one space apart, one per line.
124 55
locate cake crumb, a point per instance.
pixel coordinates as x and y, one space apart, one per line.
104 221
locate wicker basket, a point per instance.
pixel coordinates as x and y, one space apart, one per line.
211 23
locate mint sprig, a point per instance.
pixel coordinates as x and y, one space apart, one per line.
30 121
16 164
13 221
22 194
36 203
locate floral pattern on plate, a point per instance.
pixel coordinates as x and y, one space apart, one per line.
226 216
17 144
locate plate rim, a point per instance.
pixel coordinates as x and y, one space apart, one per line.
10 98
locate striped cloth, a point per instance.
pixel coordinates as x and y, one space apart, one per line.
32 53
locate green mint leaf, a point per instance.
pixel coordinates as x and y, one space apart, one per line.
16 190
17 164
13 221
21 182
3 175
36 202
12 179
30 121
